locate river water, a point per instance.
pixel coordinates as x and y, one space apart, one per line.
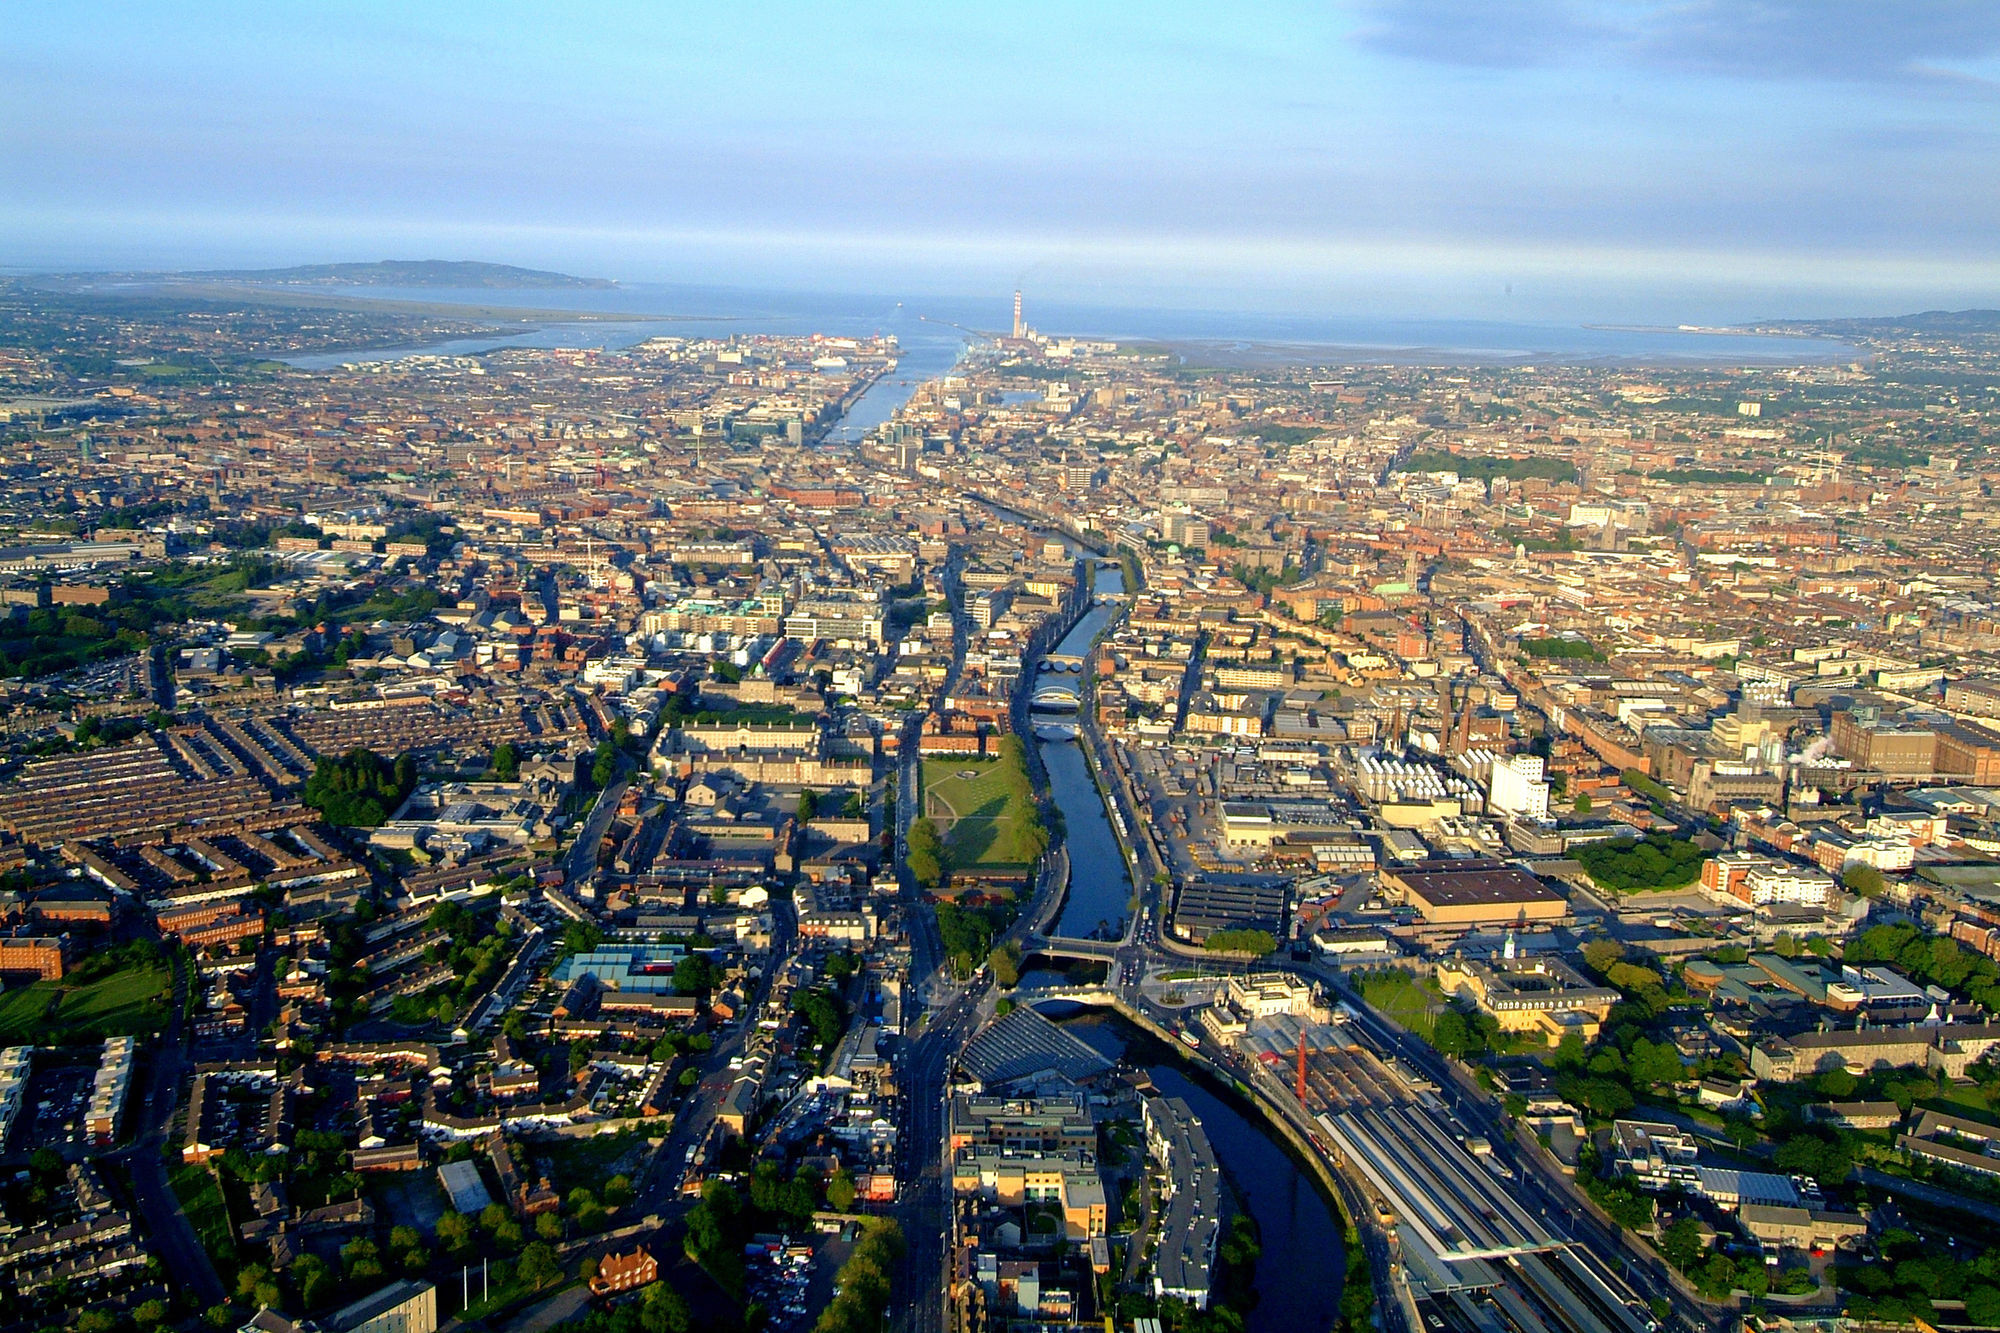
1100 883
1099 887
1304 1256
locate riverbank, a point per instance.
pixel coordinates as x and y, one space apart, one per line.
1303 1225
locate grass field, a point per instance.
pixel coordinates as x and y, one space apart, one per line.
979 814
1411 1003
592 1161
132 1000
201 1199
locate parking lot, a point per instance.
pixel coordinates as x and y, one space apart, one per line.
52 1114
783 1282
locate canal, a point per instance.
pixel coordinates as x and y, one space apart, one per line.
1304 1257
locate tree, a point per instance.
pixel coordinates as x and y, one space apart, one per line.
314 1280
1680 1243
1569 1052
808 805
1602 1097
1826 1160
604 764
618 1190
1982 1306
1254 942
360 789
358 1252
925 857
1450 1035
840 1190
548 1226
1006 966
505 765
538 1264
1653 862
1865 880
1583 802
248 1276
1601 954
454 1232
150 1314
664 1310
695 974
1655 1063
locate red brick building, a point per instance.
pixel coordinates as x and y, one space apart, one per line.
37 955
625 1272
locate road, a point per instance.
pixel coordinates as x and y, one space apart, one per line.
657 1190
579 864
173 1237
923 1205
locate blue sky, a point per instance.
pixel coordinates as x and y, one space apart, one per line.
1680 159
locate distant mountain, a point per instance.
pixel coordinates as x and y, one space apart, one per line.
456 273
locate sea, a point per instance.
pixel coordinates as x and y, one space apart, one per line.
934 330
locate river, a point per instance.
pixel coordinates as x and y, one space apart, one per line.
1100 883
1304 1256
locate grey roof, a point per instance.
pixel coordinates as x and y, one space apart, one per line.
1024 1044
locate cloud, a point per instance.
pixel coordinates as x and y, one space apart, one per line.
1487 34
1854 41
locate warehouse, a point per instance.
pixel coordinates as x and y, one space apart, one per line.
1205 907
1470 894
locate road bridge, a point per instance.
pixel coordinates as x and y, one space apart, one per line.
1086 951
1093 995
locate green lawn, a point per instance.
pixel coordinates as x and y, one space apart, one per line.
1412 1003
201 1199
130 1001
984 821
1962 1099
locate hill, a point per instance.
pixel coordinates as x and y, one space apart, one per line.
1924 321
456 273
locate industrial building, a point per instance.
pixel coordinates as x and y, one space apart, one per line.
1470 894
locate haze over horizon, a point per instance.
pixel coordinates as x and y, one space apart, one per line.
1541 160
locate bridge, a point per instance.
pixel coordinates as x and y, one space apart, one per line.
1056 695
1057 946
1098 995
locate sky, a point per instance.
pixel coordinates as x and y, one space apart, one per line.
1667 160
